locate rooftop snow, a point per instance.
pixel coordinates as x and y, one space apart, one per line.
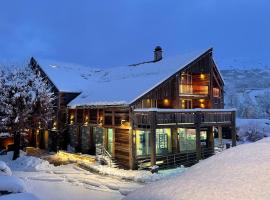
112 86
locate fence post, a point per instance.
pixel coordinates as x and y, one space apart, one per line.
198 135
153 138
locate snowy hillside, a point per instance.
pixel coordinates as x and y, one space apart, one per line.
238 173
248 90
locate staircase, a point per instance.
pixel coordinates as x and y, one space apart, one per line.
107 158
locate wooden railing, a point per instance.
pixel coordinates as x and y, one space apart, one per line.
144 117
171 160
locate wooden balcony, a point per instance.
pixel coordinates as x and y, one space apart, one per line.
144 118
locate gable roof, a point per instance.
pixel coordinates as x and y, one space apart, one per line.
114 86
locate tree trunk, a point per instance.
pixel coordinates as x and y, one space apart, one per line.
17 144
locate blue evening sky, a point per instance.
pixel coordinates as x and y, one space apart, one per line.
116 32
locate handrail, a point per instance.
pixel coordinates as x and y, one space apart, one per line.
142 117
105 153
178 159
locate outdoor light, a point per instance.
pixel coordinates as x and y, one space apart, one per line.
201 100
166 101
202 76
100 121
86 121
71 119
123 121
202 105
54 125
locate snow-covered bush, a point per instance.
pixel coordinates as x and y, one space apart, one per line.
250 130
4 169
253 135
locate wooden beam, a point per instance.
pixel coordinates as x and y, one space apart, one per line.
153 138
132 143
220 136
210 138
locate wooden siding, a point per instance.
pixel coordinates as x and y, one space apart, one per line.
122 147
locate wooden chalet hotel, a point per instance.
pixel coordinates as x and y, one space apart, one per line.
160 112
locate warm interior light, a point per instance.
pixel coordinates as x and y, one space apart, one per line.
202 105
202 76
71 119
201 100
166 102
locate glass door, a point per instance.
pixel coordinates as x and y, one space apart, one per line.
110 140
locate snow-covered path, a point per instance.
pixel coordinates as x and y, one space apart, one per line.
72 182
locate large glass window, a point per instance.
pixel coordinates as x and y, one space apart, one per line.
163 141
142 143
110 140
187 139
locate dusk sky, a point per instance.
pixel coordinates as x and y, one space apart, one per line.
110 33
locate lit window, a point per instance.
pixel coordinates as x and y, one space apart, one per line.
216 92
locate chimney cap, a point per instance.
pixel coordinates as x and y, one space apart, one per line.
158 48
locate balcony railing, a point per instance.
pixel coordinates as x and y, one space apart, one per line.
144 118
193 89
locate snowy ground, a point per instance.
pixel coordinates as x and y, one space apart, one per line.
72 182
239 173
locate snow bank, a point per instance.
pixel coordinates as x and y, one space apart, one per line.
20 196
11 184
4 169
89 163
134 175
239 173
25 163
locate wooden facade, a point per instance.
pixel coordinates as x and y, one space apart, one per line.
152 128
190 100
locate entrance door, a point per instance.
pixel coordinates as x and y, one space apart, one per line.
98 138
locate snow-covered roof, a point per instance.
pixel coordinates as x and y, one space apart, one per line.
182 110
113 86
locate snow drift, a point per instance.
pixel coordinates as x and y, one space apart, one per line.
19 196
12 184
239 173
25 163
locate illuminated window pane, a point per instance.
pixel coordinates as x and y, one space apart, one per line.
187 139
216 92
142 143
163 141
110 140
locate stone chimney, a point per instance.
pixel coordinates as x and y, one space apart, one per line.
157 54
